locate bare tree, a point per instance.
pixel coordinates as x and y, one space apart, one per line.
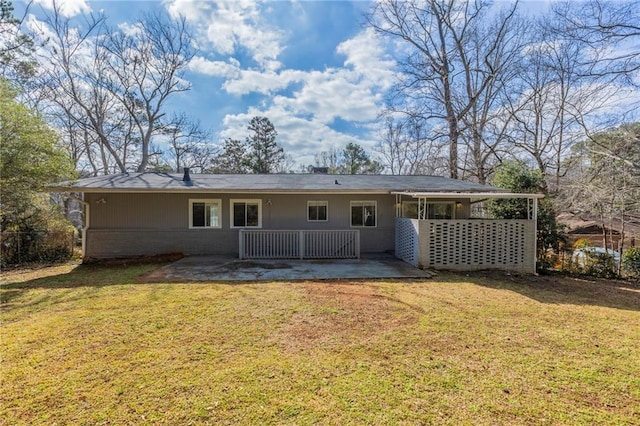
604 185
188 144
73 82
609 30
146 67
405 148
113 85
557 101
328 159
451 64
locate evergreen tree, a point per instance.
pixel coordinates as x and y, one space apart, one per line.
232 159
517 177
264 156
30 158
355 160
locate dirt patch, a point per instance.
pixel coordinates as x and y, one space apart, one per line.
337 314
135 260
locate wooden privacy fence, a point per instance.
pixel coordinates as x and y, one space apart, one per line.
294 244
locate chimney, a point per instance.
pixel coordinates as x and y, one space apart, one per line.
186 177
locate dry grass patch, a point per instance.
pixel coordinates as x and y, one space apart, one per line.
90 345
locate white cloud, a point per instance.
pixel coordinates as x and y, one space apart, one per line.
230 69
227 26
368 58
351 93
68 8
265 82
304 117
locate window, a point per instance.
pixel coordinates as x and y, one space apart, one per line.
317 211
205 213
246 213
410 209
363 213
440 211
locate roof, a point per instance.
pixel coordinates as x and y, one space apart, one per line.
474 195
270 183
582 224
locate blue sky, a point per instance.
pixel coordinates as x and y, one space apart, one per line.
312 67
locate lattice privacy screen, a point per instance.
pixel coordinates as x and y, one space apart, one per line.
482 243
407 240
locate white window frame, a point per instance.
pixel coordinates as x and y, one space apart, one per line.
317 204
363 203
233 202
193 201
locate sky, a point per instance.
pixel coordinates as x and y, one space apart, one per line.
312 67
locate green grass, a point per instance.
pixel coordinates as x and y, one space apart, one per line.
95 345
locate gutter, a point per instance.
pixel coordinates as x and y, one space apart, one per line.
86 221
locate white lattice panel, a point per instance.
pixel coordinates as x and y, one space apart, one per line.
484 243
407 240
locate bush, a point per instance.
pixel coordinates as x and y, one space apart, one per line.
593 261
631 262
45 235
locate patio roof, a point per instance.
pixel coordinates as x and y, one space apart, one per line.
471 195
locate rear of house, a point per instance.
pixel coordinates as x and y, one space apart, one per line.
293 216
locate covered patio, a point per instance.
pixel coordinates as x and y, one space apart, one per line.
454 238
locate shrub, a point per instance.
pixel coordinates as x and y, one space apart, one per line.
631 262
43 236
593 261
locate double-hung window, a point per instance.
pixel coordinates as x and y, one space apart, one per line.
363 214
205 213
317 211
246 213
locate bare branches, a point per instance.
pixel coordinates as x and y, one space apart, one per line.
453 70
607 31
113 84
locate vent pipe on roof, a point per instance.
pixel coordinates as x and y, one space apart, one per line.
186 177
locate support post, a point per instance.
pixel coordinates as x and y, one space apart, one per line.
535 235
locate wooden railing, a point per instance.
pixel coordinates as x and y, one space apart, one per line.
293 244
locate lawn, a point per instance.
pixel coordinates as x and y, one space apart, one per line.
99 345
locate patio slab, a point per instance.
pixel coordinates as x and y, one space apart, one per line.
226 268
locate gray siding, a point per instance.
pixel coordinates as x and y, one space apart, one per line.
130 224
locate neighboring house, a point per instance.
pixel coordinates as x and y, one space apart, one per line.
588 227
426 220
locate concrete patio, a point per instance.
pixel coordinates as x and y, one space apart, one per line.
226 268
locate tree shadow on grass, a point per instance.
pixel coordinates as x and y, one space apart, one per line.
91 277
558 289
85 276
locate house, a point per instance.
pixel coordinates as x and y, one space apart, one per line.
427 221
587 226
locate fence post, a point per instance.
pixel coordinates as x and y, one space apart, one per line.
301 244
241 243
